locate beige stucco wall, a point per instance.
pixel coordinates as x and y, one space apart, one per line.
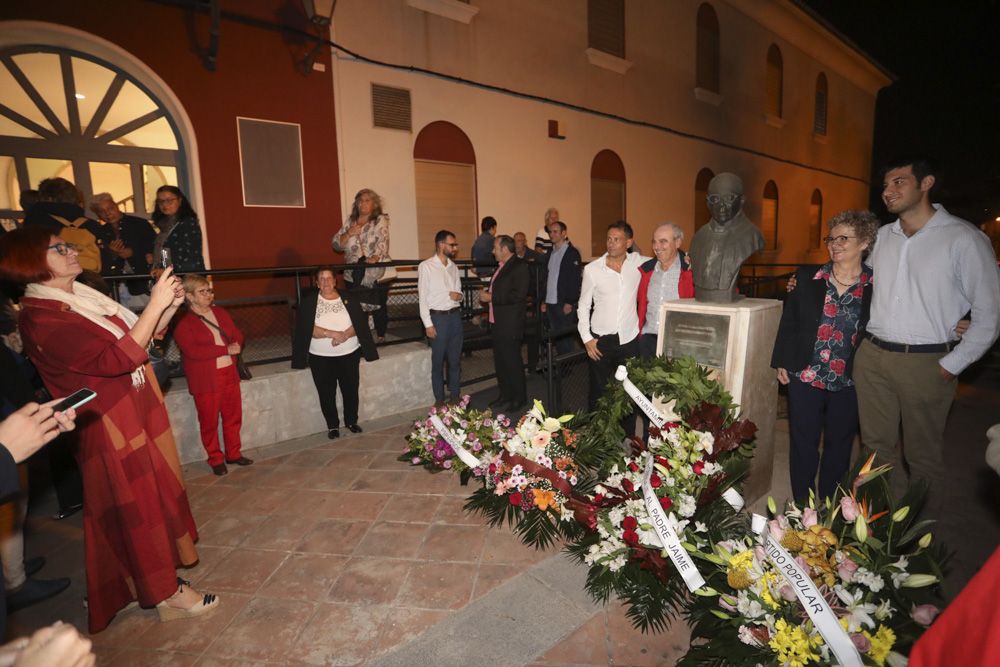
538 48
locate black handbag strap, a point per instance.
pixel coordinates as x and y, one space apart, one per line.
216 327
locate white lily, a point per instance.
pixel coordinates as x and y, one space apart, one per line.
858 612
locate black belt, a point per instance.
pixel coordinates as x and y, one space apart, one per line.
903 347
445 312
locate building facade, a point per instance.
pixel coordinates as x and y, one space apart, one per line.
605 109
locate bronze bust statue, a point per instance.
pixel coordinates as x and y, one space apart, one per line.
719 249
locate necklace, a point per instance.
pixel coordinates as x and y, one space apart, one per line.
851 281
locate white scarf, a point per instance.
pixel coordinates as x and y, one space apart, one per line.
94 306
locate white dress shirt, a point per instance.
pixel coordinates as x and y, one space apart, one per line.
925 283
434 281
613 297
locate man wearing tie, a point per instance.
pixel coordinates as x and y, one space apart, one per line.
506 296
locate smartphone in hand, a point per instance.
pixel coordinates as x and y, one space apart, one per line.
163 261
75 400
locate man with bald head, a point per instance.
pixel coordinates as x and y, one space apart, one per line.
721 246
664 278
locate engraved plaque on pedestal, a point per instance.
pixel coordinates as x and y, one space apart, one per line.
704 336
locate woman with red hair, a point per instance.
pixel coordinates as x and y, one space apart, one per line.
137 522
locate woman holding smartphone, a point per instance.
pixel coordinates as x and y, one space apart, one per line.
137 521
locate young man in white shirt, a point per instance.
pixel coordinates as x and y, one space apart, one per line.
930 268
610 286
440 290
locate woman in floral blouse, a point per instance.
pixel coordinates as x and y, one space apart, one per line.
821 323
364 238
179 231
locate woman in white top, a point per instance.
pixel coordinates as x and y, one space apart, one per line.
331 336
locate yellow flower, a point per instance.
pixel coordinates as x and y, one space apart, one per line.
792 541
882 642
765 589
794 647
738 570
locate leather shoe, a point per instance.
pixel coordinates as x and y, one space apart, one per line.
33 565
354 428
66 512
242 461
35 590
220 469
333 433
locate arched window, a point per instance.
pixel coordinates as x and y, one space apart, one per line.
816 220
769 216
701 212
607 198
444 166
707 49
773 86
72 115
819 115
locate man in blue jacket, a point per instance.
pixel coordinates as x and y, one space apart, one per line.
562 285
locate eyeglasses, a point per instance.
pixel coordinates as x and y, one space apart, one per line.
729 199
837 240
64 248
166 200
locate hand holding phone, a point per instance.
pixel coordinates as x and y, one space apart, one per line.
164 260
75 400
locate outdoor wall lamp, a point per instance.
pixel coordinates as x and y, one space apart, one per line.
320 14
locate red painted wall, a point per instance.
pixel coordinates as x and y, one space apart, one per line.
257 75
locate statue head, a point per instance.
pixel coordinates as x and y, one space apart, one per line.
725 197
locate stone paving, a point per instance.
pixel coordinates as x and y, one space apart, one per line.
336 553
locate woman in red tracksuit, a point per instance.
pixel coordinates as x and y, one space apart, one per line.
209 342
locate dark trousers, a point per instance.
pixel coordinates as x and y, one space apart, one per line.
510 369
447 344
613 355
647 346
327 373
812 412
559 322
376 295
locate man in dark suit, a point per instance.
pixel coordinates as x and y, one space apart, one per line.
506 296
562 285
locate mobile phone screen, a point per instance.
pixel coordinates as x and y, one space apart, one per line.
165 258
75 400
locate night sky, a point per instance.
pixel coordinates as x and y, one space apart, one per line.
946 100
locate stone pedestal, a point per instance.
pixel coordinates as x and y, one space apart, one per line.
734 340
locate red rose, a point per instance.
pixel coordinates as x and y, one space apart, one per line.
654 431
515 498
698 467
830 310
655 481
825 332
634 467
631 537
630 523
666 503
838 366
663 462
628 486
598 498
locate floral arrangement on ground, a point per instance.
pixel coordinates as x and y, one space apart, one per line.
457 438
685 478
533 481
850 580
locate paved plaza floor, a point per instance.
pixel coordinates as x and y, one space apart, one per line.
336 553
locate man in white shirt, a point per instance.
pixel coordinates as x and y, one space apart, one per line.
440 290
610 286
930 268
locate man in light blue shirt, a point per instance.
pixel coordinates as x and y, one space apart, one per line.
930 268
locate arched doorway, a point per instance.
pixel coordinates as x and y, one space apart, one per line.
444 167
607 197
78 106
